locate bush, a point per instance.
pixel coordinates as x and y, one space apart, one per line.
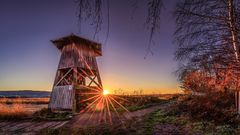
214 106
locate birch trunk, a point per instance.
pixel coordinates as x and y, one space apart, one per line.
235 42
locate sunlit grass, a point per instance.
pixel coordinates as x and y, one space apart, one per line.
14 111
19 108
24 100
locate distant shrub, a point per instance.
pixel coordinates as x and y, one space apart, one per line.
133 102
139 100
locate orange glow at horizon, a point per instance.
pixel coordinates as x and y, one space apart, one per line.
145 90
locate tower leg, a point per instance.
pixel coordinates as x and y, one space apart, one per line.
97 73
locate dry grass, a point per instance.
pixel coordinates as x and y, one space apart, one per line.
14 111
24 100
17 108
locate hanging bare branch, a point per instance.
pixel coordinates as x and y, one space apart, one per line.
108 21
153 21
92 10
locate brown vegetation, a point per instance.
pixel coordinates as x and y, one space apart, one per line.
14 111
19 108
24 100
217 107
211 97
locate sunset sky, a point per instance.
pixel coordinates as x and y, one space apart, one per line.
28 60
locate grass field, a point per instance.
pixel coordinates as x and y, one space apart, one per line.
13 111
138 106
20 108
145 120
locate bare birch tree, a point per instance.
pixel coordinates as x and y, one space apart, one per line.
208 36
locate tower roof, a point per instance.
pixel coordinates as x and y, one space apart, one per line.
61 42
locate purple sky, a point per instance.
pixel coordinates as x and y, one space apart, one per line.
28 60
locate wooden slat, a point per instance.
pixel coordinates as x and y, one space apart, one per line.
62 97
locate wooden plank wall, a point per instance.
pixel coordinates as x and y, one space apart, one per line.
77 56
62 97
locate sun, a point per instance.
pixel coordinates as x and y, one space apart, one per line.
105 92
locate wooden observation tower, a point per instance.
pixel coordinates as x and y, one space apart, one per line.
77 73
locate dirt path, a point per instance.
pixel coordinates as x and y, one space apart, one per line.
27 127
83 120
